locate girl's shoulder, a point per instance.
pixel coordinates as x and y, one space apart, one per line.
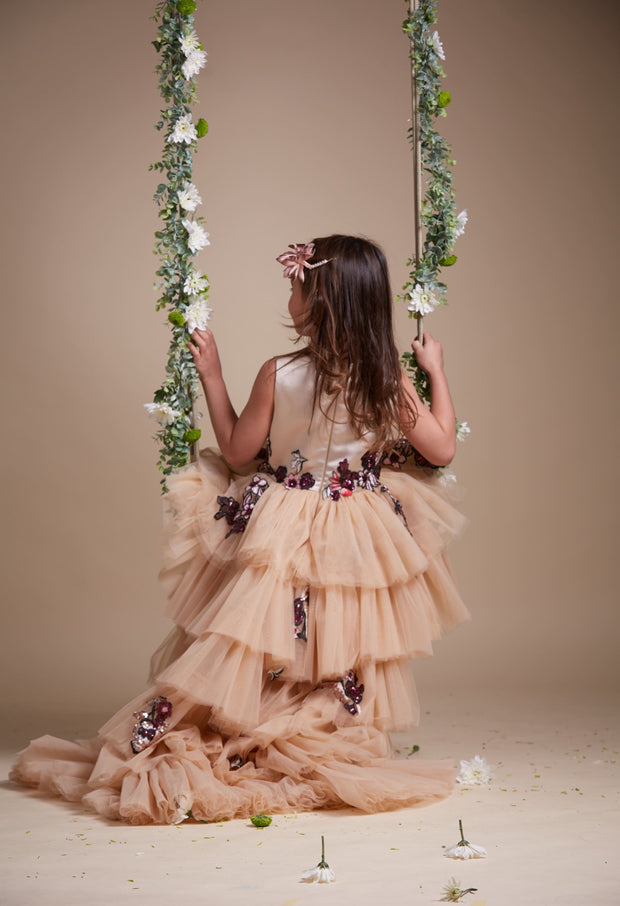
294 376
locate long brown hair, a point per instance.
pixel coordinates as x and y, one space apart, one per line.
350 334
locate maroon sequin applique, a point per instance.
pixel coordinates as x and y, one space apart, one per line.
401 452
398 507
151 723
344 481
350 692
293 477
236 514
300 611
398 455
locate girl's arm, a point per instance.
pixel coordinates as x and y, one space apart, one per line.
434 433
239 437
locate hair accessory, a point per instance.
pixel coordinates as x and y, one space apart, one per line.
296 260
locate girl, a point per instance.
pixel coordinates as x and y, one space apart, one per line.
303 571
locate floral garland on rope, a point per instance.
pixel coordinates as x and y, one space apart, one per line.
183 290
436 212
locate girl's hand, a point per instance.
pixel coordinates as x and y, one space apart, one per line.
429 355
204 352
433 434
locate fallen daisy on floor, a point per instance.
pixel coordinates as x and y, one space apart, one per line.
323 874
453 892
464 849
475 772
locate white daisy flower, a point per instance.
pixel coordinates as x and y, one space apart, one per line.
464 849
461 223
462 431
189 42
423 301
475 772
322 874
195 283
197 314
162 413
189 197
183 130
438 45
194 62
453 891
197 238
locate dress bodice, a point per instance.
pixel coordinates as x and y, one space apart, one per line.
322 434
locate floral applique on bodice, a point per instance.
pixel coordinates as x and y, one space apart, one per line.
323 450
341 484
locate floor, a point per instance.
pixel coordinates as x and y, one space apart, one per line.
549 819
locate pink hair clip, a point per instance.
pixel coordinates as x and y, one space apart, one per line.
297 259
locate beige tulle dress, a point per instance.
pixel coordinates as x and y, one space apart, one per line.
299 592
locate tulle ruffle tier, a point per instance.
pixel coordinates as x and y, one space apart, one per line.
297 759
241 684
381 590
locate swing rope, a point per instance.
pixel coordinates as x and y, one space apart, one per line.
417 166
436 224
183 290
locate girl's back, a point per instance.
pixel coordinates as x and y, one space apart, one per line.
316 438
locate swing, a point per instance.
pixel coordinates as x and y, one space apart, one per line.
184 290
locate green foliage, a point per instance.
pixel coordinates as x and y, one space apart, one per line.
179 388
438 209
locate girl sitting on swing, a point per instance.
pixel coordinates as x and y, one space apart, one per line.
304 572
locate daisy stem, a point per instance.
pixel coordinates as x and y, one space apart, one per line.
463 841
322 863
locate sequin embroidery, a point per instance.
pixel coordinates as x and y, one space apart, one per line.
300 610
349 692
342 482
399 454
273 675
151 723
236 514
293 477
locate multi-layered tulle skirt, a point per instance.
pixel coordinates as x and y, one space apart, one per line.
289 661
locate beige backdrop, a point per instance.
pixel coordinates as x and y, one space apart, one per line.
308 106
